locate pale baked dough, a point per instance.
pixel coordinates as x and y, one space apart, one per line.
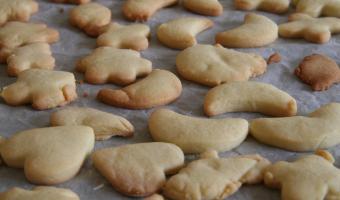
39 193
17 10
272 6
317 8
204 7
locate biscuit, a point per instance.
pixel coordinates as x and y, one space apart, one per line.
142 10
138 170
111 65
319 71
31 56
249 97
180 33
119 36
272 6
317 8
71 1
105 125
45 89
197 135
309 177
90 17
204 7
48 156
212 178
256 31
38 193
319 130
17 10
316 30
214 65
161 87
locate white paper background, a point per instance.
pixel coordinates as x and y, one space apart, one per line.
74 44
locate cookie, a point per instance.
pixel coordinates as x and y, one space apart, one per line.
212 178
161 87
317 8
90 17
256 31
197 135
180 33
38 193
319 71
272 6
320 129
45 89
142 10
204 7
138 170
309 177
111 65
31 56
214 65
134 36
249 97
154 197
105 125
316 30
17 10
71 1
48 156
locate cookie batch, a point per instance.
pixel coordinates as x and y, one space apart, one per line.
160 169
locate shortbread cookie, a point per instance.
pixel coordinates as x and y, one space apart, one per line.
317 30
249 97
197 135
211 178
31 56
214 65
161 87
180 33
321 129
111 65
142 10
319 71
317 8
45 89
71 1
272 6
154 197
105 125
309 177
204 7
39 193
256 31
90 17
138 170
134 36
48 156
17 10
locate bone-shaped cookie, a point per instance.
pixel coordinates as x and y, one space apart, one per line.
38 193
71 1
138 169
17 10
45 89
273 6
204 7
48 155
317 8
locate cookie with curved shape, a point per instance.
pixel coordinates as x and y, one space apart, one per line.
138 170
214 65
317 8
249 97
181 33
204 7
197 135
309 177
45 89
134 36
212 178
316 30
71 1
38 193
105 125
142 10
161 87
111 65
17 10
48 156
272 6
256 31
320 129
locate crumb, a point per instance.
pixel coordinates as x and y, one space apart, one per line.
274 58
99 187
85 94
61 10
80 82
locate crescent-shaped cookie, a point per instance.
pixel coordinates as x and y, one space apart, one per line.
272 6
204 7
39 193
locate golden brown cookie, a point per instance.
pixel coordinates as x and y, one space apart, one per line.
204 7
17 10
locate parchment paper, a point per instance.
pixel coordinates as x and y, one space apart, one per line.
74 44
